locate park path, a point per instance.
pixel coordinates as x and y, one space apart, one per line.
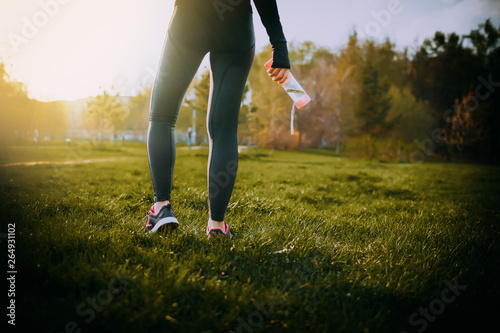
94 160
82 161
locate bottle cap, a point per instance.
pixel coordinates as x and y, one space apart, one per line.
303 101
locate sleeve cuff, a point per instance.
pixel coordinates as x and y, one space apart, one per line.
280 56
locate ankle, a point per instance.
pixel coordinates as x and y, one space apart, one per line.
215 224
157 205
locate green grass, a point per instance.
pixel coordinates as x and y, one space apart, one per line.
321 244
77 150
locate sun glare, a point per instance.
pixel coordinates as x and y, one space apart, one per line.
76 49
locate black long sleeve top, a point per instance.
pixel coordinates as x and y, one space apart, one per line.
268 12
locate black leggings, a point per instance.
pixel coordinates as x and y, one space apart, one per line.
197 28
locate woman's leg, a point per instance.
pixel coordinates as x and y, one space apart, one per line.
177 69
229 75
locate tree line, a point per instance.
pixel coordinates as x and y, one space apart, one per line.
368 99
22 117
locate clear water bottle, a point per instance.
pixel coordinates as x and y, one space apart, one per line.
294 89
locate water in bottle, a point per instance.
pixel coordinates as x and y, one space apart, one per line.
294 89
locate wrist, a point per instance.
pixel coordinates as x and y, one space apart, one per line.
280 57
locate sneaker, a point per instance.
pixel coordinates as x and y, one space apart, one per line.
217 232
163 222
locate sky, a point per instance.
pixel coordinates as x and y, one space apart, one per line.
71 49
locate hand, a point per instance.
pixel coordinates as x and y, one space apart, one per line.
280 75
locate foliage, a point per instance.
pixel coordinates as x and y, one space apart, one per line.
373 104
388 149
445 93
319 122
269 116
21 116
458 76
105 113
244 132
200 104
413 118
374 99
138 111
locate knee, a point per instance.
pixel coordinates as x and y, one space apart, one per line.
160 117
162 110
224 133
165 103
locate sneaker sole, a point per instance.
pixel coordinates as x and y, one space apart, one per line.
211 235
165 226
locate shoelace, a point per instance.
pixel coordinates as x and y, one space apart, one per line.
146 222
147 219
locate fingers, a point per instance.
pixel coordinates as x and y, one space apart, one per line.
286 76
280 75
272 72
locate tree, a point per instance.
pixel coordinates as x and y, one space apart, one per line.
246 111
365 75
319 122
486 41
350 61
138 115
413 116
200 104
20 116
447 73
373 104
50 118
105 113
376 103
14 113
270 116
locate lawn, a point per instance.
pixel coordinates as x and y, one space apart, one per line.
321 244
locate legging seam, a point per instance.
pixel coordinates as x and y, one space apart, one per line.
222 79
210 116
